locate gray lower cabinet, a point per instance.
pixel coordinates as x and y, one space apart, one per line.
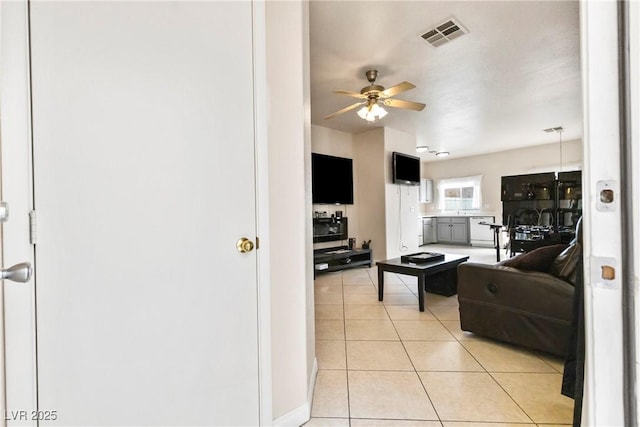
452 229
428 231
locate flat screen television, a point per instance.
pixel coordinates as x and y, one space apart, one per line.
332 179
406 169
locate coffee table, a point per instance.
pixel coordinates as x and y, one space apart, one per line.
443 275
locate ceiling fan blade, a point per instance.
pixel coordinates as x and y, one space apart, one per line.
344 110
407 105
394 90
350 93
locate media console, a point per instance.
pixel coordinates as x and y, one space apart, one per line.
340 258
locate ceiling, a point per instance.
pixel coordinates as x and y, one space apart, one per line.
515 73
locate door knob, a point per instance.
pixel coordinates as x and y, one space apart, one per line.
244 245
17 273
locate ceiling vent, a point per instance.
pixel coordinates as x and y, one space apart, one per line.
443 33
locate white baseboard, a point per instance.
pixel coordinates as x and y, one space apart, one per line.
301 414
312 383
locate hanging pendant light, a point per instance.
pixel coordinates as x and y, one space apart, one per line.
559 130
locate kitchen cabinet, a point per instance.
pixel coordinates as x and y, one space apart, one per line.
425 194
428 230
480 234
453 230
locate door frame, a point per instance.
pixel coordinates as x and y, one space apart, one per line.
262 210
605 335
15 145
16 166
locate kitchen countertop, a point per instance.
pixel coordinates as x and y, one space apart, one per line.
455 215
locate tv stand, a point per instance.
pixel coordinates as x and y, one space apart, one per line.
340 258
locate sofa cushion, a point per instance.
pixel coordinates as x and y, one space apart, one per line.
565 266
539 259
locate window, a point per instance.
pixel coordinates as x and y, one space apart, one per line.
457 194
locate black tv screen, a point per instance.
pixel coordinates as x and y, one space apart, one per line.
406 169
332 179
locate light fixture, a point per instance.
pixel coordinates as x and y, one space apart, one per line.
425 148
372 112
559 130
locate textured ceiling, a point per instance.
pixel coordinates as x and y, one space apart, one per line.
496 88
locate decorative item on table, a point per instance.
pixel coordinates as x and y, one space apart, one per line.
366 244
338 214
422 257
352 243
320 214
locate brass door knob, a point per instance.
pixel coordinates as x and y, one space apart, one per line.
244 245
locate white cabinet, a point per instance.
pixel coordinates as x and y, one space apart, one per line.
480 234
425 195
453 229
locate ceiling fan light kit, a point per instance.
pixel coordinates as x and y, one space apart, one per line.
374 95
372 112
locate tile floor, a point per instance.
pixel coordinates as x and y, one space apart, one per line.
388 364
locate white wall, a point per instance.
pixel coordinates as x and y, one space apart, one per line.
494 166
375 214
401 201
312 364
370 158
292 337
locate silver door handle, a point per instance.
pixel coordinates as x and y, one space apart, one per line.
18 273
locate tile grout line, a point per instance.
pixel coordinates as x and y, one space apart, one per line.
414 366
492 377
462 345
455 339
346 358
484 368
511 397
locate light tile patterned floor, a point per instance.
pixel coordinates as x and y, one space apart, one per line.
387 364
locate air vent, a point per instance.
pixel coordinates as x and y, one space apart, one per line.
443 33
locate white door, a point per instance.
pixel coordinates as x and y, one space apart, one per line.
144 179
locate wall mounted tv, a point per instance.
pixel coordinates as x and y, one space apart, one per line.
406 169
332 179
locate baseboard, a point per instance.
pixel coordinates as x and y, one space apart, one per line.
294 418
312 383
302 413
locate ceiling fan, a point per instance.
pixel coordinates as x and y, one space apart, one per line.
374 95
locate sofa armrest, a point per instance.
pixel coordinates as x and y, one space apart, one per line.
518 290
526 308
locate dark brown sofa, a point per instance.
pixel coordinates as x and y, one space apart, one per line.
526 300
